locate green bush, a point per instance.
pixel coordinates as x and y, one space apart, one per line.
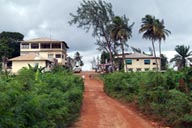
120 85
43 100
155 93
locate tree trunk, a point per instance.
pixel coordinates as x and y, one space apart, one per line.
109 47
110 56
123 55
155 55
160 54
183 62
4 64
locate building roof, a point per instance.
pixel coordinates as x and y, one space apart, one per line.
44 39
136 56
28 57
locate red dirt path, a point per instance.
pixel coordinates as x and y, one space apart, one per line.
101 111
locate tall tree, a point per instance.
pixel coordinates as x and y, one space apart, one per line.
97 17
93 63
149 28
164 62
104 57
78 59
161 33
121 31
180 58
9 44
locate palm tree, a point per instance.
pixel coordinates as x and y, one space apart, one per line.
180 58
150 29
121 31
161 33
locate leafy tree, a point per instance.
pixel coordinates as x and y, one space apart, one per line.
180 58
104 57
121 32
95 63
153 30
164 62
96 16
5 50
9 44
78 58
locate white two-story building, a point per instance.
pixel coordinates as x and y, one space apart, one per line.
47 48
41 49
140 62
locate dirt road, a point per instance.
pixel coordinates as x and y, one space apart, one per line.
101 111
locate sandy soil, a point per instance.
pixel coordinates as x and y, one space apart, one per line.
101 111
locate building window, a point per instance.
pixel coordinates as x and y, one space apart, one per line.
56 45
154 63
129 61
34 46
138 69
146 61
58 56
137 59
25 45
154 69
50 56
130 69
45 45
146 69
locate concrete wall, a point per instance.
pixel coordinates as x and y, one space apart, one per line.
44 52
139 65
17 65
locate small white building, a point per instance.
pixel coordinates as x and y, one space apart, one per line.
32 59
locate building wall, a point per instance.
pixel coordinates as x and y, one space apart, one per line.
44 52
60 60
17 65
139 64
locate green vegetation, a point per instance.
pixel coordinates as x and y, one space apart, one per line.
9 44
121 32
96 16
180 58
165 96
34 99
78 59
153 29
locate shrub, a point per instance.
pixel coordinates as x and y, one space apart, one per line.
43 100
155 93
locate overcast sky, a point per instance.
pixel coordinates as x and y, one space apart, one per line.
49 18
